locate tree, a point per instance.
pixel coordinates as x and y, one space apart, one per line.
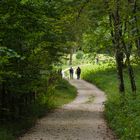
32 41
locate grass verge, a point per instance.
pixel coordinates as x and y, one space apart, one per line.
122 114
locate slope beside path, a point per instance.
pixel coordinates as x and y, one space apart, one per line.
82 119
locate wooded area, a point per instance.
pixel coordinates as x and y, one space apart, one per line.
33 39
36 36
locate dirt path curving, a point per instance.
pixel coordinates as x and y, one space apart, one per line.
82 119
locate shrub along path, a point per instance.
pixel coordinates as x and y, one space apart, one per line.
82 119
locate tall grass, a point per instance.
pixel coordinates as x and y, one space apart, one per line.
122 116
62 93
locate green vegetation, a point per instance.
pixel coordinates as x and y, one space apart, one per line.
38 36
63 93
79 55
122 113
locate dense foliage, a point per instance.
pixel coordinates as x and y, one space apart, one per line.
33 38
115 31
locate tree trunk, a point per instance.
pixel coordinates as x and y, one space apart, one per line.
136 26
118 47
71 54
119 61
130 69
131 76
3 100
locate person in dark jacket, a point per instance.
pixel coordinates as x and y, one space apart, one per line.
78 72
71 73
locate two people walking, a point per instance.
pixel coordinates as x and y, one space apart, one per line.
78 72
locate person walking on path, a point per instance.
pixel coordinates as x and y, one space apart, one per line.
71 73
78 72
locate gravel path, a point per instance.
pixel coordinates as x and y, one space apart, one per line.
82 119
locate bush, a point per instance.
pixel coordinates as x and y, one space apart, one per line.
79 55
4 135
